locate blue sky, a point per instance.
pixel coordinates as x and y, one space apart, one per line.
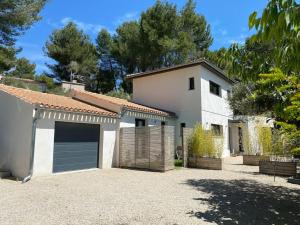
228 20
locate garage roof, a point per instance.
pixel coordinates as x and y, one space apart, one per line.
52 101
123 103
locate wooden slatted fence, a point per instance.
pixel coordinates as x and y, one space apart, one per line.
147 147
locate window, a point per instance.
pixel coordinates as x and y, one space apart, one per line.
228 94
140 123
182 125
163 123
191 83
217 130
214 88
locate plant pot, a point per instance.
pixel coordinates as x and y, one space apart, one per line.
278 168
253 160
205 163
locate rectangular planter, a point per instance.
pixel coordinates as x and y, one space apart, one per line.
281 168
253 160
205 163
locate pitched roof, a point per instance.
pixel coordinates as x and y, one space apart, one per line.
125 103
202 62
51 101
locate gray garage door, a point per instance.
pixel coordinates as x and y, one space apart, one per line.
76 146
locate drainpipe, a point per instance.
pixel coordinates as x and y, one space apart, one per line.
34 124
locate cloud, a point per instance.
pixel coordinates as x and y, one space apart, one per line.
238 40
86 27
127 17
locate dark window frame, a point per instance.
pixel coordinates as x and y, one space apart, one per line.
217 132
137 120
182 125
215 89
191 83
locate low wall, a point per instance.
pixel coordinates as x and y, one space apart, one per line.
253 160
205 163
281 168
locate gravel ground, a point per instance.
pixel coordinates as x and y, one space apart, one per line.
236 195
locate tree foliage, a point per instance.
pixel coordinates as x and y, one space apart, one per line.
24 69
163 36
73 52
15 17
280 22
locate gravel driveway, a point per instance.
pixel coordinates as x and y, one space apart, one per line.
183 196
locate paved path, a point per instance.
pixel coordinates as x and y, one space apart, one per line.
236 195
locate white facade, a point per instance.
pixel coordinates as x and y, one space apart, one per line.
248 127
44 140
15 134
16 120
170 91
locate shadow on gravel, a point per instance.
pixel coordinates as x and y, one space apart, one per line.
247 202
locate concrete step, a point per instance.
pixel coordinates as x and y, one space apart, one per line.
4 174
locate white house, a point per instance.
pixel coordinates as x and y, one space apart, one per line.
196 92
43 133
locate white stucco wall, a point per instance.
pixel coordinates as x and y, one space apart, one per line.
215 109
128 119
44 141
170 91
15 135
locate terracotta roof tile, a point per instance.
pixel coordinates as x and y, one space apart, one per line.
52 101
127 104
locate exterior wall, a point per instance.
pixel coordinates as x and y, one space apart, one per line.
71 85
215 109
249 127
128 119
170 91
15 135
44 140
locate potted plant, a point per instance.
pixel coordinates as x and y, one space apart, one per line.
205 149
252 155
281 161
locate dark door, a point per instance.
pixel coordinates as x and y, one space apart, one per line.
76 146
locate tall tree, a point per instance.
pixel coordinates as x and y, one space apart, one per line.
163 36
15 17
24 69
74 53
106 76
280 22
247 61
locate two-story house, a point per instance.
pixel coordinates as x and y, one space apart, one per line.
196 92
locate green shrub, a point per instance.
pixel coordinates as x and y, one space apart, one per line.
203 143
296 151
247 144
265 140
47 80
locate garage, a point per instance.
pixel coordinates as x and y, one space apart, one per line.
76 146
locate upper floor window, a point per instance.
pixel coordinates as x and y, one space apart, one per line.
191 83
228 93
214 88
216 129
182 125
